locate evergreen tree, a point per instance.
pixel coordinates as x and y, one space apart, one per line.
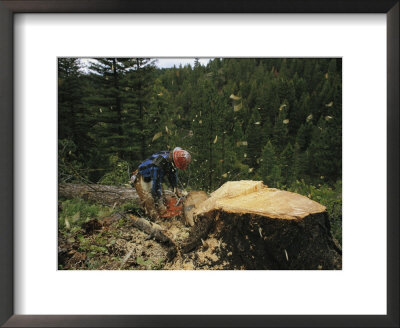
325 151
269 169
70 101
107 81
280 129
300 164
286 161
255 138
73 120
138 124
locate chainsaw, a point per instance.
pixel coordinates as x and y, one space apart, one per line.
173 204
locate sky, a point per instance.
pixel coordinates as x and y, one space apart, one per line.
168 62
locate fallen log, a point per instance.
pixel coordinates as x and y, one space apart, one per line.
155 231
106 195
152 229
265 228
126 257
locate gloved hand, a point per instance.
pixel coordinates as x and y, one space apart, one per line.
180 193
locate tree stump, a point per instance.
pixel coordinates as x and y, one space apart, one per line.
265 228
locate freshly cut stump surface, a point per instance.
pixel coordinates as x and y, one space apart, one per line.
252 197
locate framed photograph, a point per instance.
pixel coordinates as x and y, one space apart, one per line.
275 128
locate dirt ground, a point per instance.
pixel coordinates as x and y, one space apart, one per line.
114 243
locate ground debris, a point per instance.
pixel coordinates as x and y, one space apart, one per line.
223 236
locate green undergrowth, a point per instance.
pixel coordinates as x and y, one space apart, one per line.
150 264
74 212
329 196
100 248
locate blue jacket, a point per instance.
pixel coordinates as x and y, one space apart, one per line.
155 168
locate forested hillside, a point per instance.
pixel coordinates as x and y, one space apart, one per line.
271 119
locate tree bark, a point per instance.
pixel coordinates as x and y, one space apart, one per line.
106 195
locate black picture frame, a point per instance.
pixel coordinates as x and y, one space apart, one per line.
10 7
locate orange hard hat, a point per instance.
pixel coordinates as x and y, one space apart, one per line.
181 158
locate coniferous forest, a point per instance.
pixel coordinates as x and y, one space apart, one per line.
278 120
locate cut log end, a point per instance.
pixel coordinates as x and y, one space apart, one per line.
192 201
